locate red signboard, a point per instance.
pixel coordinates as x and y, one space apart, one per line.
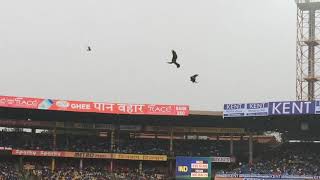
96 107
38 153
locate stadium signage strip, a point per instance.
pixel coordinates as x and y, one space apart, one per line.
260 176
94 107
223 159
272 109
88 155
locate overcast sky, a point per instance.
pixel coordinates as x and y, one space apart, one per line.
244 50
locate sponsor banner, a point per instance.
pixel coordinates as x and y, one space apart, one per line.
257 109
193 168
155 158
5 148
140 157
88 155
226 130
95 107
128 156
25 123
234 110
228 178
223 159
12 122
272 109
259 177
292 108
130 128
104 126
317 107
245 109
38 153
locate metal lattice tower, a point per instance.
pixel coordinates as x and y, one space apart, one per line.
308 50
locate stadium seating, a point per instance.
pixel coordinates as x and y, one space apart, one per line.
69 171
81 143
287 159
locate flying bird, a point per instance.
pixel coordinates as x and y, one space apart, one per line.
174 59
89 48
194 78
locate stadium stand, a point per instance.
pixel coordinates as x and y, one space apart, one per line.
287 159
43 144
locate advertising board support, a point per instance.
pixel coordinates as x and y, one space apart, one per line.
250 148
140 167
171 167
111 166
21 163
81 164
171 140
54 139
171 152
53 165
112 145
53 161
231 145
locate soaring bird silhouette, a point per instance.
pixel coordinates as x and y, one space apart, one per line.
89 48
194 78
174 59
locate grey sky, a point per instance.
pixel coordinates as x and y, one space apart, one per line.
243 50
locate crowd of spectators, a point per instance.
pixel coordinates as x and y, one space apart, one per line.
288 159
8 171
285 159
44 141
90 174
142 146
125 144
201 148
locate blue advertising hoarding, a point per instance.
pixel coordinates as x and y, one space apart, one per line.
292 108
234 110
257 109
317 107
272 109
198 168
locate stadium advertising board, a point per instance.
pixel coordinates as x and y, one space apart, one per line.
193 168
88 155
227 178
272 109
140 157
95 107
292 108
234 110
38 153
317 107
5 148
264 177
223 159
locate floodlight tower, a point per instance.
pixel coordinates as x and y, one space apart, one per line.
308 50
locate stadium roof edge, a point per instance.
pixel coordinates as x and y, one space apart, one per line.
207 113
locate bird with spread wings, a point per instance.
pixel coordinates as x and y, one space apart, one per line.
174 59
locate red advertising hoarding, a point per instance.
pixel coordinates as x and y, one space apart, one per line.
95 107
39 153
